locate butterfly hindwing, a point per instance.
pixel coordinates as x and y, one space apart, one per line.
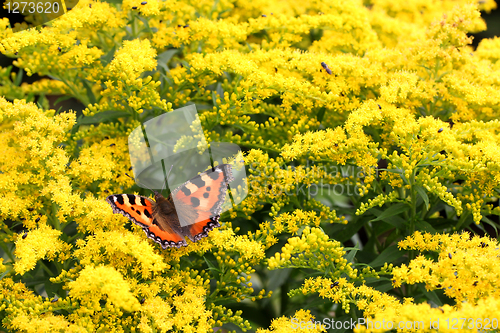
166 238
201 229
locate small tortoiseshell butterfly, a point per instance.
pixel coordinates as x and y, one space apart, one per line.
197 202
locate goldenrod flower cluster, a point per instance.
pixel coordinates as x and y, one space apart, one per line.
371 142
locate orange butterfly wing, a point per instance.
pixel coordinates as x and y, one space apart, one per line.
139 210
198 204
204 195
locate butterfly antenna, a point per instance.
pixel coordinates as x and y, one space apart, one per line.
142 185
166 180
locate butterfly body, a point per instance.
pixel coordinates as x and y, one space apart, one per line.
191 210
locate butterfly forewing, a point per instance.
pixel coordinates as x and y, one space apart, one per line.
204 194
138 209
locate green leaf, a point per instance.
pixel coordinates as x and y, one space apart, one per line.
382 284
345 232
102 117
389 255
277 278
106 59
393 210
431 295
321 114
220 90
490 223
19 77
349 256
425 227
211 266
423 194
62 99
5 273
90 94
165 57
214 98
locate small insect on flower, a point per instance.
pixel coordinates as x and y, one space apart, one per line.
59 49
186 26
264 15
144 3
327 69
134 7
30 209
449 255
336 283
475 284
25 235
112 145
90 5
440 130
130 168
37 219
55 299
142 301
483 245
379 106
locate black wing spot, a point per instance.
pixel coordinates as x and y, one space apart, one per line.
147 214
132 208
195 201
208 189
186 191
143 201
139 212
131 199
198 182
214 175
206 195
119 199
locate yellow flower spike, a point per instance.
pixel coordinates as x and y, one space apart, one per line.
462 266
123 251
42 243
93 283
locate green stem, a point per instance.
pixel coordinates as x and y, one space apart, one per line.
462 220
